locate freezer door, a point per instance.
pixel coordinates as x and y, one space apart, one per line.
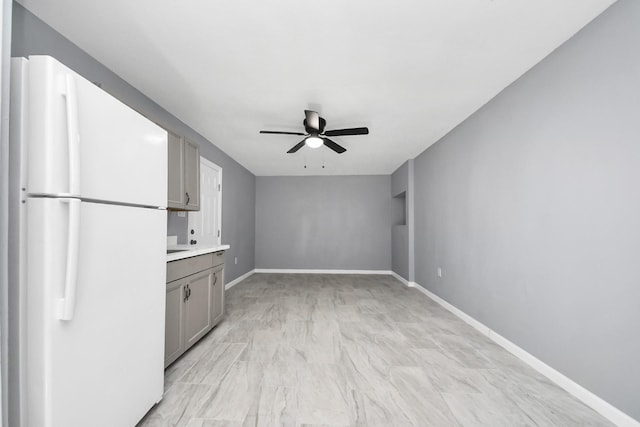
104 365
84 142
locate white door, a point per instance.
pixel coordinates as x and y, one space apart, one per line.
84 142
206 223
103 366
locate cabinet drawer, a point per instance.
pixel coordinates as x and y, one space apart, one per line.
184 267
218 258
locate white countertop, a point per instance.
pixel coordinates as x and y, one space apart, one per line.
187 251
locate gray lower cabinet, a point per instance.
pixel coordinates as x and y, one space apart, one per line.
195 301
173 336
197 308
217 296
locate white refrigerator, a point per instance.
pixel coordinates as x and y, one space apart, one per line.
92 261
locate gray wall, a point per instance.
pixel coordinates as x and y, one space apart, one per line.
31 36
400 251
402 236
400 179
328 222
532 209
400 231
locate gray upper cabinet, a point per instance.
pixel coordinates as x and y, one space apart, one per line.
184 174
192 176
176 194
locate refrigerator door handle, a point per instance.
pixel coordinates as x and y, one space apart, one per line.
66 305
73 134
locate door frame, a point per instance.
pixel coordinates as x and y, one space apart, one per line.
218 169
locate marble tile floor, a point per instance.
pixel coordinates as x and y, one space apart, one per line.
352 350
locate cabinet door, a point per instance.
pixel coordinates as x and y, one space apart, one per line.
217 300
173 337
176 191
197 316
192 176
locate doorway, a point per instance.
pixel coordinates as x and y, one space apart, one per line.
205 225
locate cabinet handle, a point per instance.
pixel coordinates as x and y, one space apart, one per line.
189 292
188 198
186 294
215 279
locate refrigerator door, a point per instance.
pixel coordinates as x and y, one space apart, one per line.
104 365
84 142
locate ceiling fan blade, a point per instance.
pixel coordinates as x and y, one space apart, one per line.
351 131
335 147
282 132
296 147
313 120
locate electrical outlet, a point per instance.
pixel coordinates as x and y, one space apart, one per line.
439 272
182 214
235 260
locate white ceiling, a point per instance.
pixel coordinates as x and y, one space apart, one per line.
409 70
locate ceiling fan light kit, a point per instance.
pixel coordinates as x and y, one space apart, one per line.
316 136
313 141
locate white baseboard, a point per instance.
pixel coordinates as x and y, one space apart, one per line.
601 406
400 278
303 271
239 279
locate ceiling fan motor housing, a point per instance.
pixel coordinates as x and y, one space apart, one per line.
313 131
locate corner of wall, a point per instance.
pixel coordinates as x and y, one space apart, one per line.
411 219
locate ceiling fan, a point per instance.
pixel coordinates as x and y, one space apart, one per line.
316 136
